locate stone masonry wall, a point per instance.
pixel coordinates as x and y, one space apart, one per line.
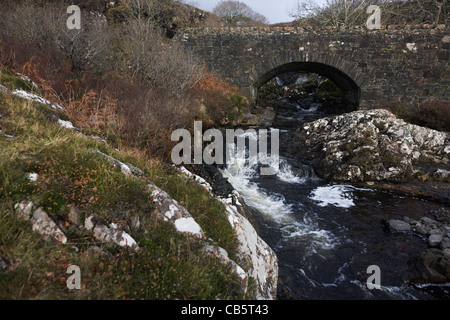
396 64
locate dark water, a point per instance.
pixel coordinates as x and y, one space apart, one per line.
334 266
327 235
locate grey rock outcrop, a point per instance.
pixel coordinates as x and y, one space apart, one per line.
263 260
370 145
170 210
44 225
109 234
41 221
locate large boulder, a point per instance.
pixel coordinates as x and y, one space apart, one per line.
371 145
431 266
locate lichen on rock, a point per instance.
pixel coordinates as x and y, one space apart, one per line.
371 145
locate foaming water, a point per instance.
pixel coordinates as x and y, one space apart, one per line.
336 195
326 235
242 172
287 174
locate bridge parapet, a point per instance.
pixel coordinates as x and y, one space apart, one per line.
300 30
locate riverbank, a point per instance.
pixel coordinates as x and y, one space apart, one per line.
135 227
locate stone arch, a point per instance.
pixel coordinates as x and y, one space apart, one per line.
345 75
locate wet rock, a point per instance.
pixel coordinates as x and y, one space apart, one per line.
219 185
428 221
435 240
445 244
431 266
409 220
436 231
398 225
420 229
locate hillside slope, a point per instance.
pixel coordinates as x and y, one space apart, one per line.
70 198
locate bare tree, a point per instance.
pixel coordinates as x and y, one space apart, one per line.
353 12
238 13
87 48
416 12
152 59
167 15
332 12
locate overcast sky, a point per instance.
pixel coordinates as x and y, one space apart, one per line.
274 10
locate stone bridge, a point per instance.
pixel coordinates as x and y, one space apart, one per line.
395 64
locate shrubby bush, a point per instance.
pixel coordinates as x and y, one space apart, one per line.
353 12
432 114
124 78
146 56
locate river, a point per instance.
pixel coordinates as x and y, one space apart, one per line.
326 235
